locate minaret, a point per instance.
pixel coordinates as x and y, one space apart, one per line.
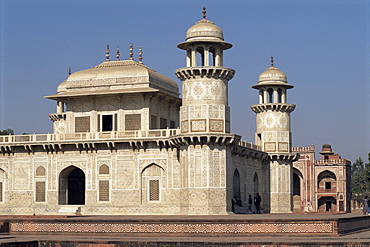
205 81
274 136
205 138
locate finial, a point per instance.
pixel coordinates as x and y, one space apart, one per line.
117 54
204 13
107 56
140 55
131 52
272 61
69 71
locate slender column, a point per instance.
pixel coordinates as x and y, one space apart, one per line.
193 57
260 98
217 58
283 96
188 58
265 100
60 107
206 56
275 99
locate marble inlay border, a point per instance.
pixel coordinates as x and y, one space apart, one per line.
172 227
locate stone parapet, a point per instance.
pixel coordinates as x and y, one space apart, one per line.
205 71
282 107
333 162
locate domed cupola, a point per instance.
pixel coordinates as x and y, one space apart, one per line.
204 39
205 31
273 77
273 85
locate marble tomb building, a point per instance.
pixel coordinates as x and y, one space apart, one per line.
124 142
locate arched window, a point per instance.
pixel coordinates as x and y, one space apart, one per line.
326 180
151 178
40 171
104 170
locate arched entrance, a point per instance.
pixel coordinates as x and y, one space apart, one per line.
72 186
297 195
327 204
236 185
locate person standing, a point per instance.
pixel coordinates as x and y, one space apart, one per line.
365 205
257 203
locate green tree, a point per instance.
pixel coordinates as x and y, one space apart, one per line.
7 132
361 176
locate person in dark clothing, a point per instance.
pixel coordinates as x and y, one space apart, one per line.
257 203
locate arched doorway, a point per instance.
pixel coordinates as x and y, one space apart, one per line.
72 186
236 185
327 204
297 194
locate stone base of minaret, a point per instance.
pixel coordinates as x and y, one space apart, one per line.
281 186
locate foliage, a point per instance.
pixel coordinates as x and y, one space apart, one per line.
7 132
361 176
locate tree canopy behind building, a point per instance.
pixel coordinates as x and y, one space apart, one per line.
361 176
7 132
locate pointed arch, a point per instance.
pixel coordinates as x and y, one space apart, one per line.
297 190
236 185
152 180
72 186
40 171
326 179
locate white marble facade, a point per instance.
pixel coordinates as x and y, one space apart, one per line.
125 143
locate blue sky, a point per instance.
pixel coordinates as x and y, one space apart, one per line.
322 46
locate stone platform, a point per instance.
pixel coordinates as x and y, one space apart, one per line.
235 230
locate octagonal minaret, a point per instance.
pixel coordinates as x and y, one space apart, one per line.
204 80
273 134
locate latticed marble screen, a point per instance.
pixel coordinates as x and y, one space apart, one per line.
82 124
153 190
103 190
40 191
132 121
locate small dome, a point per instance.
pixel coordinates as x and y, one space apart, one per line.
326 146
274 77
204 31
272 74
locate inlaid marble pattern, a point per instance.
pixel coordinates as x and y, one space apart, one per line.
193 228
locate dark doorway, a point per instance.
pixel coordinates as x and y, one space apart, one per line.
72 186
107 122
328 206
76 187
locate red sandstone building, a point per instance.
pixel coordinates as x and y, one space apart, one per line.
321 185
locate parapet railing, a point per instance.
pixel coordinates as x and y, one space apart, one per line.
161 133
332 161
249 145
303 149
